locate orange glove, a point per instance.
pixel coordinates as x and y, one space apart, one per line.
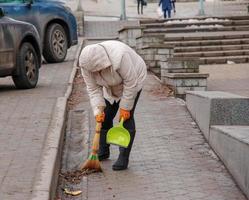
125 114
100 118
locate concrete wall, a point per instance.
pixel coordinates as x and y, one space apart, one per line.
217 108
231 143
129 34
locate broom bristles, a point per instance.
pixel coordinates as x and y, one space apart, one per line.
92 163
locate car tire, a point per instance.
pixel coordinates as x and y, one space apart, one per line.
55 44
26 76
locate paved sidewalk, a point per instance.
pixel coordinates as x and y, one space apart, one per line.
101 10
170 158
105 28
25 117
232 78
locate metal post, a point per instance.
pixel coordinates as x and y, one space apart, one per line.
201 10
79 6
123 13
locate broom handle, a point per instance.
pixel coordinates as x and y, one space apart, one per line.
95 145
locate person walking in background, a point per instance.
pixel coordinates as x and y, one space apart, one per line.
174 5
166 7
140 3
114 74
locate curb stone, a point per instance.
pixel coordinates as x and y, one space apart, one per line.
44 187
75 152
78 158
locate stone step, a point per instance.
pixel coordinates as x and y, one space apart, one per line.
208 42
171 24
150 38
211 48
155 53
212 40
224 60
152 35
195 22
231 144
186 75
145 40
202 54
179 37
196 29
148 35
205 36
157 46
150 21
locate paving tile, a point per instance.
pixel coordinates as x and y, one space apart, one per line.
25 117
170 159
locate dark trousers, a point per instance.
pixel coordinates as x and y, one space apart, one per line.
111 111
173 6
140 2
165 12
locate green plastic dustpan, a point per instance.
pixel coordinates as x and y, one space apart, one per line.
118 135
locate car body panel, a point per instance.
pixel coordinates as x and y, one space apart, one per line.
7 52
41 13
12 34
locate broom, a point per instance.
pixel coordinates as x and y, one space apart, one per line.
92 163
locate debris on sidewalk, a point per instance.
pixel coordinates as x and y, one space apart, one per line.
75 176
73 193
161 90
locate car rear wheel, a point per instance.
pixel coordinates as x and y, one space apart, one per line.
28 67
55 45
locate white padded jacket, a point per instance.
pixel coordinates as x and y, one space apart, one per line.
114 71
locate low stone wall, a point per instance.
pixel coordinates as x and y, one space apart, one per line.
217 108
144 40
231 143
182 82
182 74
153 55
128 35
180 65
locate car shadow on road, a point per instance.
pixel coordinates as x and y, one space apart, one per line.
5 88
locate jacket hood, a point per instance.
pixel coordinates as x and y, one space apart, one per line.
94 58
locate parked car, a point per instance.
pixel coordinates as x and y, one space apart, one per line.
20 52
54 21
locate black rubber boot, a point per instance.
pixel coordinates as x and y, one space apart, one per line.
124 153
104 151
